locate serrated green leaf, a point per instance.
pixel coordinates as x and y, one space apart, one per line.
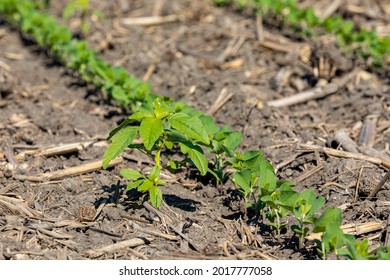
134 184
197 157
161 109
119 142
139 115
145 185
154 173
217 147
190 126
131 174
150 131
168 144
173 164
175 136
119 127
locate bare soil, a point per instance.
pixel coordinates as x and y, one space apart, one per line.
208 52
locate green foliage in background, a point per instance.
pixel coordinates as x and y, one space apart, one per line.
305 20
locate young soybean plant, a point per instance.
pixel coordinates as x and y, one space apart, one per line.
166 127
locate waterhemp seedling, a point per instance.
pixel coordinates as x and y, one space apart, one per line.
161 130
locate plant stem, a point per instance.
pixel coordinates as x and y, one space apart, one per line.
157 158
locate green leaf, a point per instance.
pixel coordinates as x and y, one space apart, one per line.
131 174
175 136
330 215
168 144
216 176
285 185
356 250
251 160
217 147
243 179
155 196
309 204
134 184
232 141
267 177
119 127
334 238
209 125
190 126
161 109
150 131
197 157
119 94
119 142
69 10
140 115
154 173
145 186
383 253
288 199
317 204
173 164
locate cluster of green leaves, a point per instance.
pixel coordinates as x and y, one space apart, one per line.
165 126
125 89
304 19
256 179
82 8
170 126
334 240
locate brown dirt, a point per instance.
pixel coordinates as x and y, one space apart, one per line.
42 104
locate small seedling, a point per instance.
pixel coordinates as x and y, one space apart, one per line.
304 20
304 210
161 131
82 8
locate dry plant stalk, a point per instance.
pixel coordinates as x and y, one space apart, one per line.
19 206
367 134
346 142
314 93
131 243
61 149
333 152
71 171
355 229
147 21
